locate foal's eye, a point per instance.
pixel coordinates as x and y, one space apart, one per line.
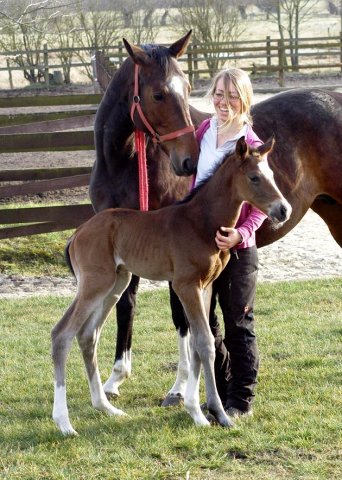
158 97
254 179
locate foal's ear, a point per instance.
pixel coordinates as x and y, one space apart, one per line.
178 48
137 54
267 147
241 149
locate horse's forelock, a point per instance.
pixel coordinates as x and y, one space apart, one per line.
160 54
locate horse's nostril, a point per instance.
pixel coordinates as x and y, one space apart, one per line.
283 212
187 167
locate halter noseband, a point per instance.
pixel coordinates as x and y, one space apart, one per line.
136 105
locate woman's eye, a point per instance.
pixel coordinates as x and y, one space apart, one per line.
158 96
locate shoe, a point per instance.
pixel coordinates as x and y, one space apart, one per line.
235 413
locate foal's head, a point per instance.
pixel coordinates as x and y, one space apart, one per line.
255 181
164 91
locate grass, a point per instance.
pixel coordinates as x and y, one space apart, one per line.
295 432
35 255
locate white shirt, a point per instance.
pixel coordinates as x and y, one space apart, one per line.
210 155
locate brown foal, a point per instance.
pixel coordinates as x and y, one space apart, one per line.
176 243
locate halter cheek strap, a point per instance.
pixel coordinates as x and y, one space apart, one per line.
140 146
136 106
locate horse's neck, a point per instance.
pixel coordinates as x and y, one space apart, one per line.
217 201
114 113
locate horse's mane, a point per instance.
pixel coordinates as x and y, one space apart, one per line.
205 180
159 53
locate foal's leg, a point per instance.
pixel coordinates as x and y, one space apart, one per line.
62 336
84 318
81 312
177 392
203 350
88 338
125 310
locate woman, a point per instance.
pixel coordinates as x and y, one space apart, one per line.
237 357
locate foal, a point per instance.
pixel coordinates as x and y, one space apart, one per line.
176 243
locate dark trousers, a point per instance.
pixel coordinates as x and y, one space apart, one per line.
237 356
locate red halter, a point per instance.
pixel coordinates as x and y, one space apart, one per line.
136 105
140 142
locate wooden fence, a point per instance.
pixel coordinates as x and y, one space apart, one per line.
39 132
271 56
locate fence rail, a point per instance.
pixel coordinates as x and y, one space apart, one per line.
39 132
264 55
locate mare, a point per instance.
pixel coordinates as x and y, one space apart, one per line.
175 243
307 166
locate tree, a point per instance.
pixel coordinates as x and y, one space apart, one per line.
97 23
212 21
141 22
24 26
289 16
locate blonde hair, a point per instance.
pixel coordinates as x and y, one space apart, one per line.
242 83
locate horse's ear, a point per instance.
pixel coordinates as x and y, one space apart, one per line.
137 54
241 149
178 48
267 147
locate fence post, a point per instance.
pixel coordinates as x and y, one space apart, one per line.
120 52
190 67
281 62
46 66
196 74
341 49
9 73
268 55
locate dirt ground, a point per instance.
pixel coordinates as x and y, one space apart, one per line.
86 158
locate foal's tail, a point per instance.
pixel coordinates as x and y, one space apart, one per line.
67 256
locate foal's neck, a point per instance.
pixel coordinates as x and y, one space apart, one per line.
218 202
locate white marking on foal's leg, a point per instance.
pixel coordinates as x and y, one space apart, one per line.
191 400
121 370
99 399
179 386
60 412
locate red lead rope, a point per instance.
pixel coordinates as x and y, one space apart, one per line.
143 181
140 141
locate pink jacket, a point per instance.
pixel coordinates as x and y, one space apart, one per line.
250 217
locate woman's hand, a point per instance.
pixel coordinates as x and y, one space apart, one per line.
226 242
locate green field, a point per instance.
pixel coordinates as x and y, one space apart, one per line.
295 432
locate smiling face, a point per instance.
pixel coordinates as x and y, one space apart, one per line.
221 97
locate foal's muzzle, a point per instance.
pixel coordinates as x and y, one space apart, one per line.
280 212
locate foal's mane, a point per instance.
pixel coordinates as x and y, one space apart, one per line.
205 180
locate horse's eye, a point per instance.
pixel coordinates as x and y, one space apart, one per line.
254 179
158 96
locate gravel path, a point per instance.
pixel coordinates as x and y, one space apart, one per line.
291 258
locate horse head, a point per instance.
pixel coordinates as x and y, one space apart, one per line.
255 182
160 102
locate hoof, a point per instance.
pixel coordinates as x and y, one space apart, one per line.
112 395
172 401
224 421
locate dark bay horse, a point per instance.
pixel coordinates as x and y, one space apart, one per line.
175 243
163 91
307 165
